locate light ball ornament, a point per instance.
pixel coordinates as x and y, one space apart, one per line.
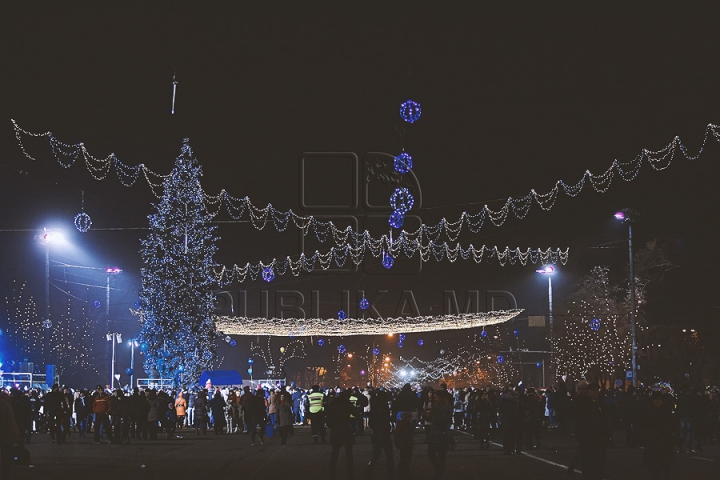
282 349
516 333
539 364
96 304
144 347
402 200
484 334
321 342
403 163
82 222
421 342
128 371
410 111
341 349
227 339
268 274
364 304
376 351
500 359
388 262
47 323
595 324
233 343
342 315
396 219
362 373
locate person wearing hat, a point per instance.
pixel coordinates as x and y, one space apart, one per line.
591 430
101 407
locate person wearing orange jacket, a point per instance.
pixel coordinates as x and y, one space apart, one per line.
101 408
180 407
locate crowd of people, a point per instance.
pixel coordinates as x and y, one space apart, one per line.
662 421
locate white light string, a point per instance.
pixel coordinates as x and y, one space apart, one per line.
227 275
238 208
333 327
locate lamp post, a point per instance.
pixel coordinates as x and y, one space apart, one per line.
47 238
110 272
132 343
113 337
625 217
549 271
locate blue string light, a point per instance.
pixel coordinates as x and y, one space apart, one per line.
376 351
364 304
321 342
410 111
500 359
402 200
396 219
388 262
403 163
268 274
82 222
341 349
342 315
595 324
421 342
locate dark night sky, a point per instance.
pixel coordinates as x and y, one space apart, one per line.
513 99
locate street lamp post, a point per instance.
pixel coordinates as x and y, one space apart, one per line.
132 343
113 337
625 217
549 271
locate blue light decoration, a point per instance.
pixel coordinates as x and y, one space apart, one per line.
342 315
228 338
376 351
250 371
500 359
396 219
96 304
251 361
268 274
144 347
137 305
403 163
387 261
181 368
82 222
539 364
341 349
484 334
410 111
400 344
364 304
321 342
401 337
421 342
595 324
516 333
128 371
402 200
47 323
233 343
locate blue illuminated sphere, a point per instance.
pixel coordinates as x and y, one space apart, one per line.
364 304
595 324
321 342
96 304
396 219
501 359
251 361
144 347
181 368
516 333
420 342
376 351
342 315
129 371
400 344
538 364
341 349
410 111
484 334
250 371
402 200
268 274
388 262
402 337
233 343
137 304
403 163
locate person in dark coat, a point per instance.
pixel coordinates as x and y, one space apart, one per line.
342 431
509 420
23 414
257 414
659 431
217 406
379 422
200 413
591 431
82 408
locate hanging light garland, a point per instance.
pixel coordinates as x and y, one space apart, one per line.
82 220
241 207
329 327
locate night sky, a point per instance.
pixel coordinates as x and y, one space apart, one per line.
513 99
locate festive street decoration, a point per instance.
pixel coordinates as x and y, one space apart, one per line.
402 200
387 261
82 220
321 342
230 325
176 299
241 207
364 304
293 349
410 111
403 163
595 324
268 274
396 219
342 315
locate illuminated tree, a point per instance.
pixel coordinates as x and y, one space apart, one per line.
176 299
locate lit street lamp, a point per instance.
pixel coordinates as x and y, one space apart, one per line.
132 343
549 271
625 217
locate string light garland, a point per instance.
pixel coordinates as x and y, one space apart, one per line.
388 249
293 349
332 327
239 208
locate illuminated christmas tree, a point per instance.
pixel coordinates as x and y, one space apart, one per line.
177 300
595 339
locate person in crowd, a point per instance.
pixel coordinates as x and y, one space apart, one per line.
101 408
509 419
10 437
272 414
533 410
180 410
200 414
153 411
23 414
285 419
316 408
217 406
440 434
358 400
628 408
591 431
340 419
404 443
190 412
121 417
379 422
257 409
659 430
56 409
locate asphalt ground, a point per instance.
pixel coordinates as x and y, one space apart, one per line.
232 456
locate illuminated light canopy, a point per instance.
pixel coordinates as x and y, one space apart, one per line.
357 326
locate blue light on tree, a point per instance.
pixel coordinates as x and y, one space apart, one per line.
539 364
233 343
421 342
251 361
364 304
144 347
403 163
402 200
128 371
376 351
96 304
341 349
595 324
500 359
268 274
516 333
484 334
410 111
400 344
342 315
321 342
387 261
396 219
